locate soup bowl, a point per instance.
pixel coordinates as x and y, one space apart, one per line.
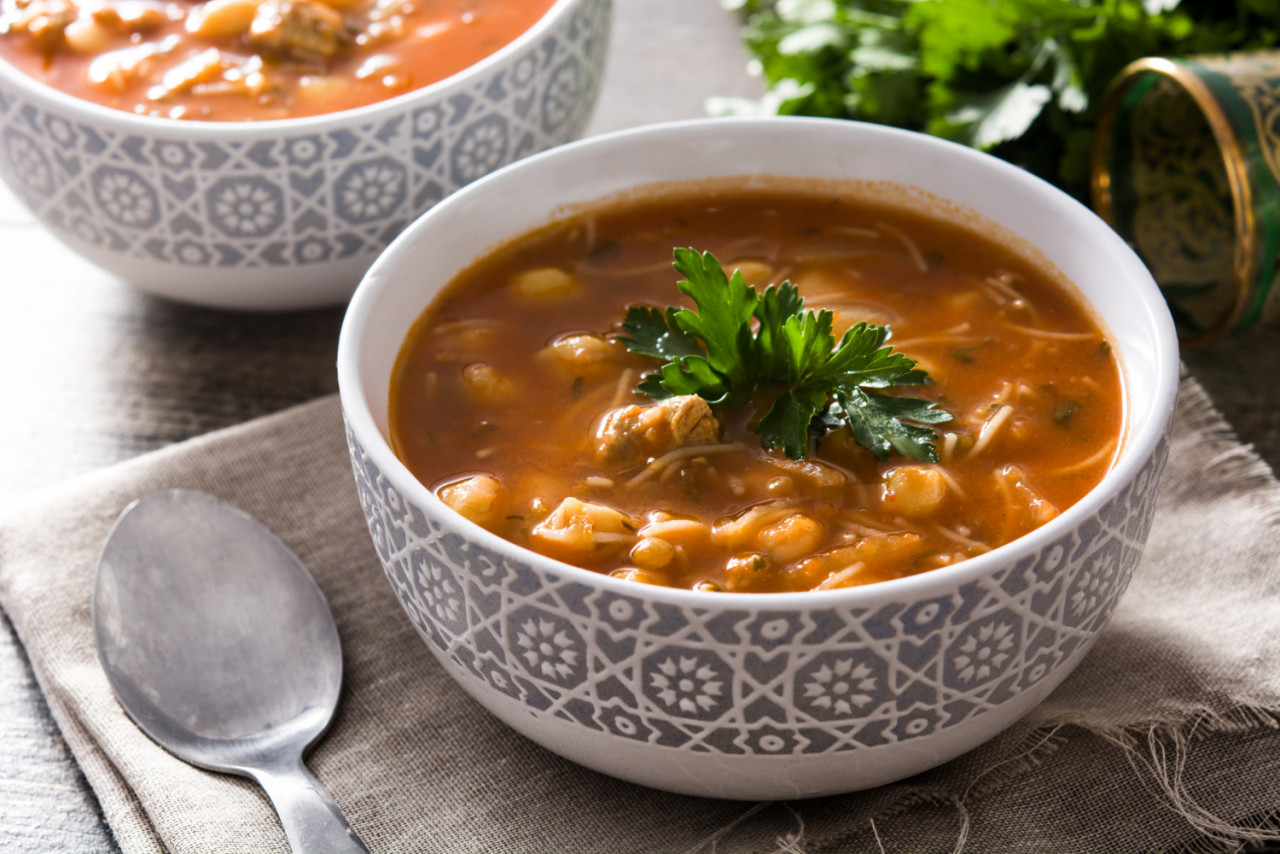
288 214
760 695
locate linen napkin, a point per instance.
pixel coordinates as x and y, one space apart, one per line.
1165 739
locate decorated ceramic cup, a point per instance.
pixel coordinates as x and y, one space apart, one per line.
288 214
779 695
1186 168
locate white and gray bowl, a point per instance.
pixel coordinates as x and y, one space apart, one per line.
774 695
288 214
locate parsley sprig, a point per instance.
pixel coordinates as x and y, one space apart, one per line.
788 359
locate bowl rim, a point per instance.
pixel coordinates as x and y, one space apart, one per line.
95 114
1137 445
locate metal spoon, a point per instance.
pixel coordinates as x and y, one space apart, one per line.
219 645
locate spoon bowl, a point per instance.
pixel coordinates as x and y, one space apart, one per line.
220 646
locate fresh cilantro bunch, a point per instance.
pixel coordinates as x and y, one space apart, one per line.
789 361
1019 78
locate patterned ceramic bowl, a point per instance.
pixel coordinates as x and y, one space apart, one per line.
288 214
759 695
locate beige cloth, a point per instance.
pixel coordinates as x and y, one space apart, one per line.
1166 737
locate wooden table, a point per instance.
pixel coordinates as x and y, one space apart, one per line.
92 372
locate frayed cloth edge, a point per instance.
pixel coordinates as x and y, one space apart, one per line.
1166 743
1230 461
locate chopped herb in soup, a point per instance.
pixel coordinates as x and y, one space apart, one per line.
240 60
530 395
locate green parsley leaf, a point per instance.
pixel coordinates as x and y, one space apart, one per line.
722 321
1021 78
786 424
882 422
652 333
790 364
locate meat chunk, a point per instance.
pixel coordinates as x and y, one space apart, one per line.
631 434
299 30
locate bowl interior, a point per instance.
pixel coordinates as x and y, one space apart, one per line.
928 174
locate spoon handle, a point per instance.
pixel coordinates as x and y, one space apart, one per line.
312 821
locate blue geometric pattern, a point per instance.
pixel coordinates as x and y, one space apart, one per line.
296 199
721 679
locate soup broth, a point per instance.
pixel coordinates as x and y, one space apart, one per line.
513 399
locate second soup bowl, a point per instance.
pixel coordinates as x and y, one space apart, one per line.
288 213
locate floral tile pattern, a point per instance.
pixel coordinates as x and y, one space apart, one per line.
295 199
729 680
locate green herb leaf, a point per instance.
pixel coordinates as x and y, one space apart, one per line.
1021 77
789 361
786 424
882 423
994 117
652 333
1065 411
722 320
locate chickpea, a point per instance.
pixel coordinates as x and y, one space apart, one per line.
637 575
742 571
915 491
584 353
86 35
688 534
222 19
543 284
477 498
487 384
652 553
791 538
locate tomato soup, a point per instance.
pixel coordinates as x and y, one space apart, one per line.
252 60
515 398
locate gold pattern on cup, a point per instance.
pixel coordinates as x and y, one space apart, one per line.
1186 167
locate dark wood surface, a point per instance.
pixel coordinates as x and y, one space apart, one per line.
93 372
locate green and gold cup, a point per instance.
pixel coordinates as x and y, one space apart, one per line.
1186 167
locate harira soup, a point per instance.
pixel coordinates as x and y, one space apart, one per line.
757 391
